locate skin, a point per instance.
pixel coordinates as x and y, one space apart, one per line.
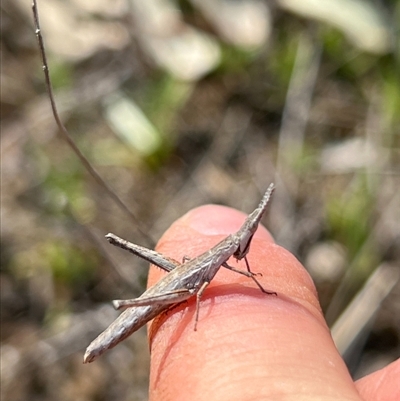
248 345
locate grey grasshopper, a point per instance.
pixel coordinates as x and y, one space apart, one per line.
183 280
181 283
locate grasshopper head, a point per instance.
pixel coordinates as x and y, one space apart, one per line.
249 227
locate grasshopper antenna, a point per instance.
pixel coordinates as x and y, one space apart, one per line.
66 136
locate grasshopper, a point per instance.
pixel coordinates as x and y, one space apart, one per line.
184 280
181 283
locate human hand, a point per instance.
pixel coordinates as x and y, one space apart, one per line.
249 345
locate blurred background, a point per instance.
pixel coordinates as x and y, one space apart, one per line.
178 104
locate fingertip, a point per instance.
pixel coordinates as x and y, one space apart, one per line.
381 385
218 220
270 335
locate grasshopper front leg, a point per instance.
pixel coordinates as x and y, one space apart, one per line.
250 274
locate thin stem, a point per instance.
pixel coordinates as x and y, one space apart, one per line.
65 135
